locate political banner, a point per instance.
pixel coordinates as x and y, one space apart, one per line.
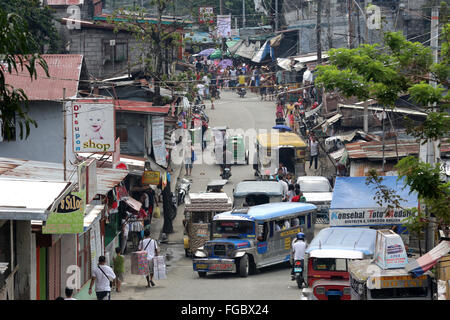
159 145
224 26
93 126
368 217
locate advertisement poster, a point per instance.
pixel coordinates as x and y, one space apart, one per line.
93 126
159 145
205 14
390 251
367 217
224 26
150 177
68 216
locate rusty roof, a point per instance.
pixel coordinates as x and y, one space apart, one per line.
49 171
64 71
64 2
374 149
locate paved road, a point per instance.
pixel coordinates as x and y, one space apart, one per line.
182 282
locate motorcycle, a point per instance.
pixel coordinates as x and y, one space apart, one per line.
183 189
226 173
241 92
298 273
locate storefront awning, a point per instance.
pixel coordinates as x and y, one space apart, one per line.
27 199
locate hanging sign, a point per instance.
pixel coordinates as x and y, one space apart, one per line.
150 177
93 126
67 216
224 26
159 145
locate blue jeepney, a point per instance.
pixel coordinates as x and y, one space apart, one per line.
251 238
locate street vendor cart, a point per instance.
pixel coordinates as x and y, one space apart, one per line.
199 211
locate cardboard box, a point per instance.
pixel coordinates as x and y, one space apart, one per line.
139 263
159 268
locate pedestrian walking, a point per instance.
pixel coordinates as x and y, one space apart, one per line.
69 294
314 151
150 245
102 276
119 268
125 232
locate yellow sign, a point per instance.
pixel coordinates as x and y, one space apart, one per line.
290 232
150 177
287 243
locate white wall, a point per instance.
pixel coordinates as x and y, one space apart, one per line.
68 257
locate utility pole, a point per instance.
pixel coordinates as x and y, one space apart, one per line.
223 39
350 26
318 29
329 34
65 134
431 153
276 15
243 14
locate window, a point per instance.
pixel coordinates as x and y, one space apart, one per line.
233 227
329 264
117 52
84 256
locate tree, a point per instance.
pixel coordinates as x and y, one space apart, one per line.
383 73
18 51
39 20
154 38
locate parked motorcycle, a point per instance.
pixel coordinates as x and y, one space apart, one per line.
298 273
226 173
241 92
183 189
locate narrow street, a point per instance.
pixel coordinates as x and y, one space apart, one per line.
182 282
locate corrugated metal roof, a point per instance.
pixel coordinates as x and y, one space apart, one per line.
374 149
64 71
49 171
64 2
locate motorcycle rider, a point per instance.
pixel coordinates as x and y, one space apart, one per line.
227 159
298 252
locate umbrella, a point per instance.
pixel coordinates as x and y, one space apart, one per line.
206 52
282 127
216 54
226 63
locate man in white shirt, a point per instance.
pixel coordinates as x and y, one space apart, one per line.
298 252
69 293
284 185
207 81
102 276
151 246
201 90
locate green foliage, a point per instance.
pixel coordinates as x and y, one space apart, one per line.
17 51
39 20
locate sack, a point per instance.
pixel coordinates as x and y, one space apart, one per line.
159 268
157 213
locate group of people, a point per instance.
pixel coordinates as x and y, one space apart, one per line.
291 189
105 277
211 77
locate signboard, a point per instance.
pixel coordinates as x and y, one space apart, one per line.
67 216
116 154
390 251
87 178
224 26
368 217
93 126
150 177
205 14
159 145
397 282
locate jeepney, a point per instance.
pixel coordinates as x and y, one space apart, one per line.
275 147
199 211
247 239
327 258
370 282
252 192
